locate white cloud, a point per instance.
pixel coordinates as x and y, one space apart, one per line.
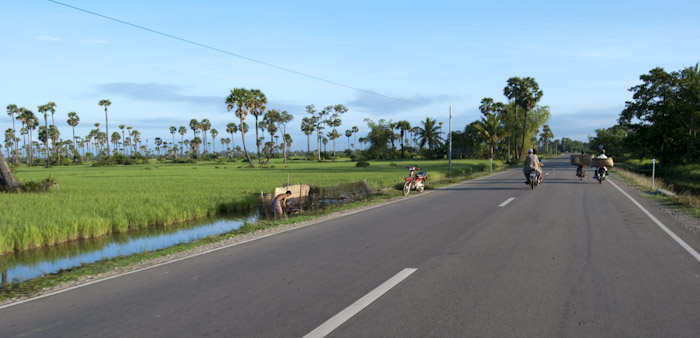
99 41
48 38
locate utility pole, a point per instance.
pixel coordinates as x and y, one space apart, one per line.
449 147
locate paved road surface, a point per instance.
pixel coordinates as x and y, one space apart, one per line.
569 259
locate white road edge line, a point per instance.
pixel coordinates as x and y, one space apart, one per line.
359 305
663 227
506 202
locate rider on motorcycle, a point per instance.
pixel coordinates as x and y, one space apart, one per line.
581 167
602 156
532 162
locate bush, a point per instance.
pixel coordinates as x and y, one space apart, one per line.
121 160
362 164
39 186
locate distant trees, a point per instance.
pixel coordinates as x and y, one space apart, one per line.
663 118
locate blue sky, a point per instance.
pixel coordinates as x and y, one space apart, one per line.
584 55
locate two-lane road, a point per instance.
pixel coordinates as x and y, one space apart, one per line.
486 258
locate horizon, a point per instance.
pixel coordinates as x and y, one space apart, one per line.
419 59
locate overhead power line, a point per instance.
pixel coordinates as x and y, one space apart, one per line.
241 56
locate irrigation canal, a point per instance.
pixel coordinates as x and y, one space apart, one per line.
28 264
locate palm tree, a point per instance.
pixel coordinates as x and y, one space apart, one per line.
348 133
12 111
158 141
231 128
194 144
490 130
546 135
333 135
308 125
115 140
238 99
213 134
282 121
121 127
106 103
195 126
354 132
363 141
256 106
403 126
205 125
173 130
429 134
182 131
7 180
45 109
73 121
525 93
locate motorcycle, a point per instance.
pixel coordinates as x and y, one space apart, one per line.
601 174
535 178
415 180
581 172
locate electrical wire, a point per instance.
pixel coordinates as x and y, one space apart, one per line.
242 57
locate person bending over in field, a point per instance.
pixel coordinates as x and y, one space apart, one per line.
279 203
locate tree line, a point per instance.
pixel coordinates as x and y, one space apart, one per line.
661 121
504 130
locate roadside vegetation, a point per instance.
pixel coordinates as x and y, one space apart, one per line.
93 201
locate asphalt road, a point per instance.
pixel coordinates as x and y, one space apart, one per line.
486 258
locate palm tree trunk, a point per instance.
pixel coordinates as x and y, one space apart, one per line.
7 180
246 149
257 139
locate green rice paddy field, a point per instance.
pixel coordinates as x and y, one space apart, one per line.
94 201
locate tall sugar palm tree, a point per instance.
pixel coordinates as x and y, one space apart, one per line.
195 126
308 125
45 109
333 135
403 126
73 121
12 111
205 126
283 120
182 130
231 128
158 141
546 135
213 134
237 101
105 104
354 133
256 106
115 140
121 127
173 130
348 133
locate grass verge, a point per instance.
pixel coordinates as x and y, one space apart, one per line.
684 201
44 284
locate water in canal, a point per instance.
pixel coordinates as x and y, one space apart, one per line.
29 264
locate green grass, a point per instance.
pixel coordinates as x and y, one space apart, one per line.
684 201
679 178
94 201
